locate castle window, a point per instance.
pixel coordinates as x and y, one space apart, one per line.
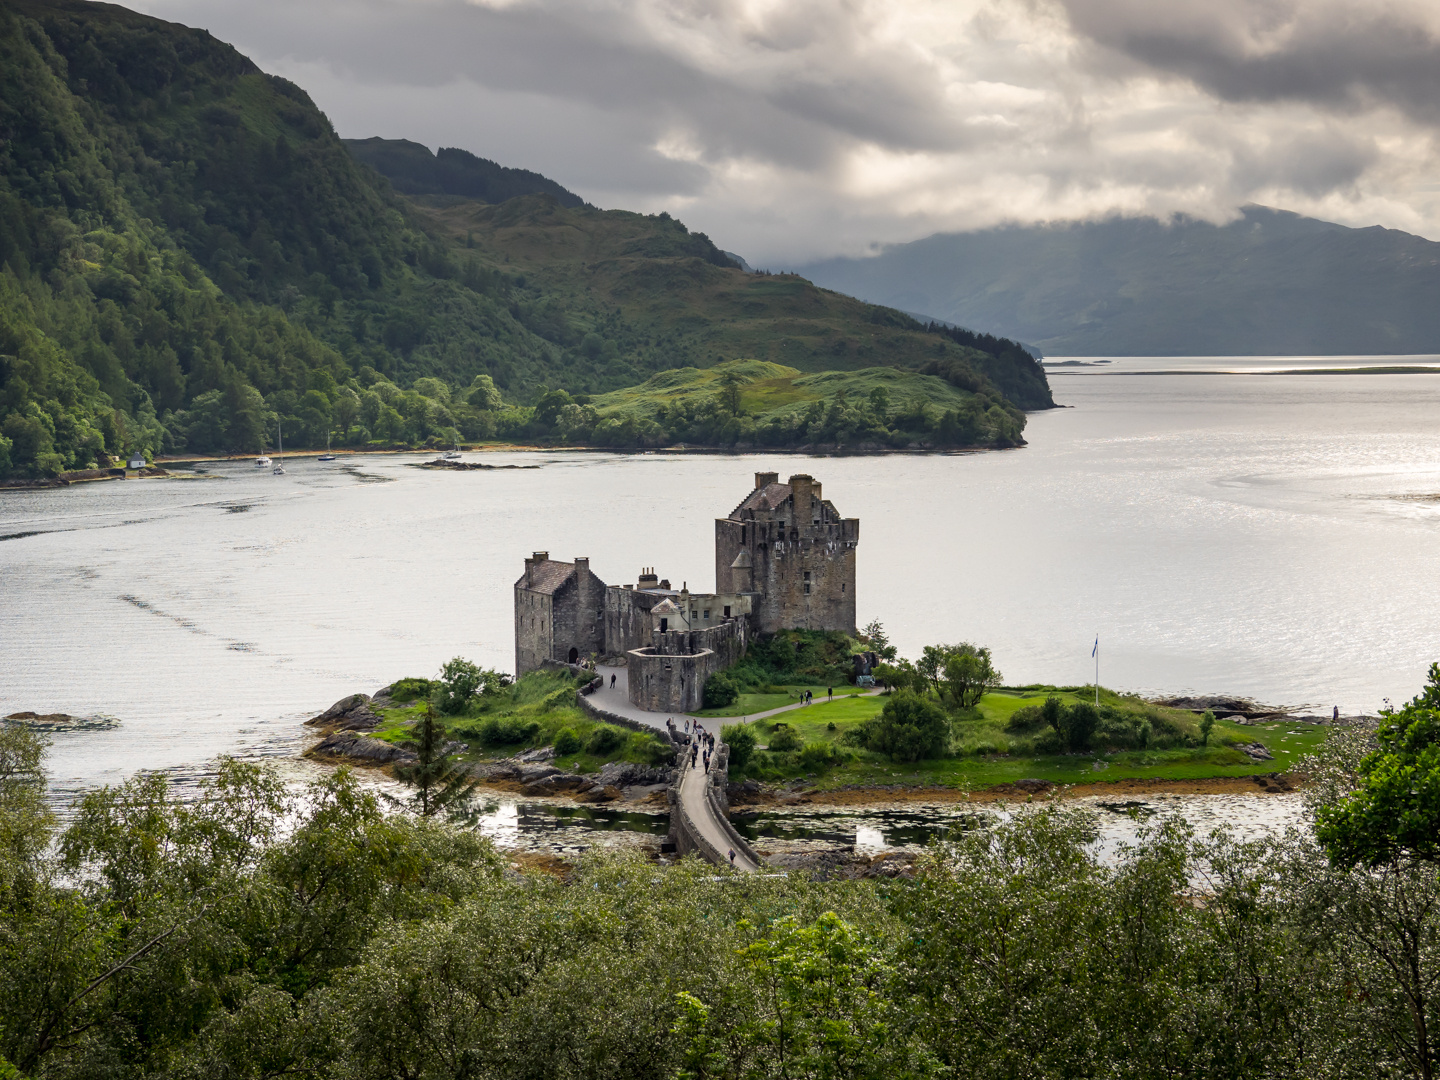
664 625
742 534
807 588
727 612
707 613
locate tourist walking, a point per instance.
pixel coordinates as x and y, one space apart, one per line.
612 678
832 693
732 856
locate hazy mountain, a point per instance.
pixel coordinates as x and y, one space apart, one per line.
1271 282
413 170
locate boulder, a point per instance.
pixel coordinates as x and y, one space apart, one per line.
598 794
1255 751
542 753
351 713
534 773
557 783
347 744
495 770
622 774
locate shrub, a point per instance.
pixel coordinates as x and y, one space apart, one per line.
720 690
1051 712
1026 718
505 730
410 689
460 681
1079 722
909 728
605 740
558 699
650 749
567 742
785 739
820 755
741 740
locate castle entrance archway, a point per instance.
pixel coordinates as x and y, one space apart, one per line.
574 655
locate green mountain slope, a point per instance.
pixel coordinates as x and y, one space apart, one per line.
413 170
633 294
1269 283
189 255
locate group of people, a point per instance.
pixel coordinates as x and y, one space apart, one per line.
702 742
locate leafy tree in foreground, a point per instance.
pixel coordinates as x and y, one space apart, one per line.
1395 813
741 740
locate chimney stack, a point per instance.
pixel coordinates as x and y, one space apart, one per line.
803 488
764 479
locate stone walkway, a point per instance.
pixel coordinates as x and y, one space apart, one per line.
616 699
702 813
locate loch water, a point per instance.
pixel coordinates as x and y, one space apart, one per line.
1220 529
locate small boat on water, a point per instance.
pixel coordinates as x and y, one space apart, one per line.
262 462
279 469
452 455
327 455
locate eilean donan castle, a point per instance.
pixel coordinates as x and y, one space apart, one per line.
784 559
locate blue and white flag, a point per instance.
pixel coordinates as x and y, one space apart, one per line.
1097 645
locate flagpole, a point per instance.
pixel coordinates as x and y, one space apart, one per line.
1097 671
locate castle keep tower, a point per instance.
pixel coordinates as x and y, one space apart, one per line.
789 548
559 612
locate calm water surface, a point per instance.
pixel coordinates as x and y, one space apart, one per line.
1222 532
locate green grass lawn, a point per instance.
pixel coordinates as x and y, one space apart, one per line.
992 763
750 704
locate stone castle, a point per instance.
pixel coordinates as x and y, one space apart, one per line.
784 559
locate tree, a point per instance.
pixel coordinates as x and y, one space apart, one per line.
25 819
1207 724
461 681
909 728
900 675
720 690
1078 725
879 641
969 673
1395 813
931 664
442 785
741 740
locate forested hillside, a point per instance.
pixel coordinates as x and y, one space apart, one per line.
413 170
189 256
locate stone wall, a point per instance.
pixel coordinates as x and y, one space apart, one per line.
669 676
627 619
534 630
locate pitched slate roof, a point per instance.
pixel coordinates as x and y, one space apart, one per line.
547 577
769 497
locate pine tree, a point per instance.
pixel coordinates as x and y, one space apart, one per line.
442 784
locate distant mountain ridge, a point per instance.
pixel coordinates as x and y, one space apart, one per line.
1270 283
413 170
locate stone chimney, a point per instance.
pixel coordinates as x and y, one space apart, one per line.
764 479
531 563
582 567
647 579
805 491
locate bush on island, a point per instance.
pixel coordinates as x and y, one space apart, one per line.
567 742
720 690
741 740
410 689
460 681
785 739
605 740
507 730
909 728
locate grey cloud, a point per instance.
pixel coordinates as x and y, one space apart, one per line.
1343 56
800 128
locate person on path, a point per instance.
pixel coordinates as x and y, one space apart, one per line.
832 693
612 682
732 856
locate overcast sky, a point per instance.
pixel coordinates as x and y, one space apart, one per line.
791 129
